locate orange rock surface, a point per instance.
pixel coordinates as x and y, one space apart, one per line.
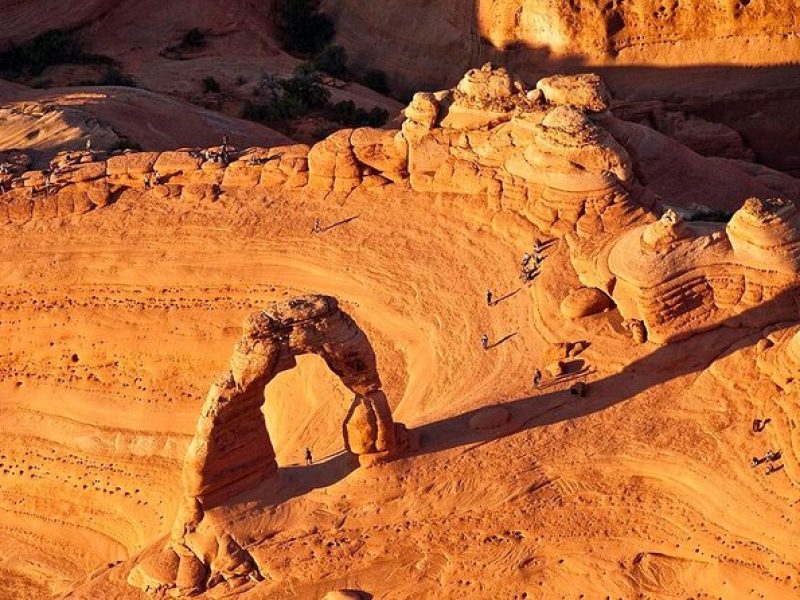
658 305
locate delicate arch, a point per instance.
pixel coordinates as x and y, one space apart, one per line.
231 451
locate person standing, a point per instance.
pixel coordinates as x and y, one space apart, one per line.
309 458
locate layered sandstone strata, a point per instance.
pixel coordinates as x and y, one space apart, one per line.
552 153
680 278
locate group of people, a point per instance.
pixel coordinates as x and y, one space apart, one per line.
772 456
532 262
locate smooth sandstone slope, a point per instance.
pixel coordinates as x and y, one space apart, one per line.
642 487
44 122
144 37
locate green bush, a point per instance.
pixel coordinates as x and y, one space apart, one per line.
286 99
348 114
124 143
194 38
375 80
113 76
49 48
210 85
307 90
333 61
302 27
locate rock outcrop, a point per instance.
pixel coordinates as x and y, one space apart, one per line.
679 278
553 154
231 451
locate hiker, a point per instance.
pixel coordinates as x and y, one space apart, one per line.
89 145
224 142
485 341
488 297
317 226
772 456
755 461
47 188
309 458
760 424
537 378
526 258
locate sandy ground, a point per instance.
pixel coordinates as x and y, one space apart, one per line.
116 321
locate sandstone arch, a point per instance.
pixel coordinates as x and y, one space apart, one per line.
231 451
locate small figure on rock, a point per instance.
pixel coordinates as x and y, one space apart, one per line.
489 297
47 185
309 458
537 378
526 258
772 456
317 226
89 145
755 461
485 341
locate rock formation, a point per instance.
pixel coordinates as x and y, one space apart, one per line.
597 33
552 153
679 278
231 451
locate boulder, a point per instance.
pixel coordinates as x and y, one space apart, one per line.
585 91
584 301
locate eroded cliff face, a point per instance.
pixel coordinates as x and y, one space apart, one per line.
682 68
643 32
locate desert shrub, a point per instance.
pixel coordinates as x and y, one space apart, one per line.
124 143
194 38
49 48
210 85
303 28
375 80
305 89
710 214
333 61
113 76
285 99
348 114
